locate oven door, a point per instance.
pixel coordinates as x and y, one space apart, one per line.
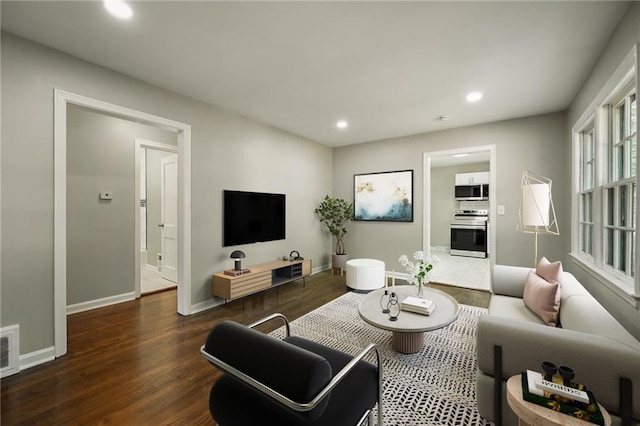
469 240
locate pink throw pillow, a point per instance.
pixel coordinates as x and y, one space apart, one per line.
551 272
543 298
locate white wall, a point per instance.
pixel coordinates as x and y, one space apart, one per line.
532 143
228 152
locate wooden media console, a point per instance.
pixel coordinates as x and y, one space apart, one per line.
262 277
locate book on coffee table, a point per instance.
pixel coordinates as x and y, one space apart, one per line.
418 305
574 400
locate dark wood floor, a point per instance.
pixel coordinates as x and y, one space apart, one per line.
137 363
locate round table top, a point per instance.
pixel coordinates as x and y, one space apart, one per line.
445 313
537 415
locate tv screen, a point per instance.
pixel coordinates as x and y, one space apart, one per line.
252 217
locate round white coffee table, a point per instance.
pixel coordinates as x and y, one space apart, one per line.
408 331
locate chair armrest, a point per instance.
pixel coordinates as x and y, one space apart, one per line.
337 378
509 280
269 318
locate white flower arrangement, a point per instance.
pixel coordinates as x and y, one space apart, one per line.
419 271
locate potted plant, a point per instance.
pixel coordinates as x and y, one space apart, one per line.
335 213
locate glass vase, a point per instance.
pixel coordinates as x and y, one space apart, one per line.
420 288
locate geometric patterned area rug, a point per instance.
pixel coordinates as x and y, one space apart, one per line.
436 386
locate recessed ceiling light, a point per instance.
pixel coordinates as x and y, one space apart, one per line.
118 8
474 97
342 124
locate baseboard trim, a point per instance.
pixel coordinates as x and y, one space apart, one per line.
100 303
38 357
207 304
320 269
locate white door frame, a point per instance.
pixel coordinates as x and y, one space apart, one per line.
426 185
183 131
140 144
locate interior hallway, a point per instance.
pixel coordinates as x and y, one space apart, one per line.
151 281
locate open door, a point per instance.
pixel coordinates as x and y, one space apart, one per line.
169 217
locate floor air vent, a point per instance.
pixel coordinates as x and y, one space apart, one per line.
9 350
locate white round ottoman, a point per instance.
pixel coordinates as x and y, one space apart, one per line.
365 274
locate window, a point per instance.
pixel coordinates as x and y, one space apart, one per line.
620 190
587 173
604 233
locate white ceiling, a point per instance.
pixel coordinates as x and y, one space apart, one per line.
390 68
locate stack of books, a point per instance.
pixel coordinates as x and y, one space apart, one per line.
418 306
236 272
574 400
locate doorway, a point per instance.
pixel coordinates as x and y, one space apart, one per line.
461 271
183 131
156 198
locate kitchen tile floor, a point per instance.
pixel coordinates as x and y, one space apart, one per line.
467 272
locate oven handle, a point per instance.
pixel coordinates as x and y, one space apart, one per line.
464 226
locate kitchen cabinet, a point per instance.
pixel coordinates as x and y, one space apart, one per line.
475 178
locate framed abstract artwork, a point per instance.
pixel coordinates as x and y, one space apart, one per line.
384 196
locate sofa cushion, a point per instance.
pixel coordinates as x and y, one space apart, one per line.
585 314
543 298
512 308
551 272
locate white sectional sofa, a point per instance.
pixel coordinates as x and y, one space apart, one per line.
512 339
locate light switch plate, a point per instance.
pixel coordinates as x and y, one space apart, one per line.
501 210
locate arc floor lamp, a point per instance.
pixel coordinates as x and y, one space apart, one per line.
537 214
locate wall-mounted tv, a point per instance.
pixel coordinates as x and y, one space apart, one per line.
252 217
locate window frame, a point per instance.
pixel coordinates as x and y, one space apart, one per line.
600 114
586 191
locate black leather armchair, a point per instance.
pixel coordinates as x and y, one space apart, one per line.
293 381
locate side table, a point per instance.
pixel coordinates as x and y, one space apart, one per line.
530 414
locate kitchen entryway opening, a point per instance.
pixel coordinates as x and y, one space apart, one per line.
459 216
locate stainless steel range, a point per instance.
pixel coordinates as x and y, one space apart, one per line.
469 233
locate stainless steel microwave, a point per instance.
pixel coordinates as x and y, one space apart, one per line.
472 192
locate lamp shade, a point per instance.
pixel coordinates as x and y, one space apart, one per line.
537 214
536 202
237 254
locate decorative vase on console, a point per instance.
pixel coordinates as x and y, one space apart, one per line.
419 270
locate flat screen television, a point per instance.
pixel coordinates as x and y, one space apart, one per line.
252 217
